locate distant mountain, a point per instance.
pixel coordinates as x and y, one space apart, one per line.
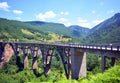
11 30
79 31
106 32
72 31
35 22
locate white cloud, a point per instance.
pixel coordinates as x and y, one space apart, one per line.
63 19
95 22
4 6
17 12
48 14
85 25
64 13
83 22
93 11
68 24
110 11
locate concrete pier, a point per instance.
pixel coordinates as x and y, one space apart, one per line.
78 63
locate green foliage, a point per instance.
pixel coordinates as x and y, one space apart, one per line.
92 61
106 32
12 75
59 29
106 77
18 31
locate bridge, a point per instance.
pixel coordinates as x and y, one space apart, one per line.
73 56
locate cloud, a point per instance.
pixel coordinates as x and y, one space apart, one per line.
110 11
68 24
48 14
63 19
97 21
83 22
93 11
64 13
4 6
17 12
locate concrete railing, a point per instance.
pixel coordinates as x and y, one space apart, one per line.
109 47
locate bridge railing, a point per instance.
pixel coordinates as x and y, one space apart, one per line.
113 46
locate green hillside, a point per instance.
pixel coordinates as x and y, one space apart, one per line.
106 32
72 31
18 31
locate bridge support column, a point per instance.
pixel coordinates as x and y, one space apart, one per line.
103 61
78 63
112 61
34 59
47 58
1 54
25 61
34 62
25 52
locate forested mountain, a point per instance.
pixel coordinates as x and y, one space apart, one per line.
106 32
79 31
72 31
18 31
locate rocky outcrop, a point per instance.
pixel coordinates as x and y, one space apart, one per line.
6 54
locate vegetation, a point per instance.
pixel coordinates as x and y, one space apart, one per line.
72 31
33 32
10 73
18 31
106 32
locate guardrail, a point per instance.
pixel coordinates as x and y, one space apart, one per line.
113 47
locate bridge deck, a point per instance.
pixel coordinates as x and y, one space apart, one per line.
108 47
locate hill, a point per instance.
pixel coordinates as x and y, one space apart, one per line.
11 30
72 31
79 31
105 32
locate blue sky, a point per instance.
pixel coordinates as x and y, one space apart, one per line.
86 13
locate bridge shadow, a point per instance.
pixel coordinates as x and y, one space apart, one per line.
37 74
19 64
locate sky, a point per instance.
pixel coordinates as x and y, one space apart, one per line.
86 13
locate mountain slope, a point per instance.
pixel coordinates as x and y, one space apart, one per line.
106 32
18 31
79 31
72 31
